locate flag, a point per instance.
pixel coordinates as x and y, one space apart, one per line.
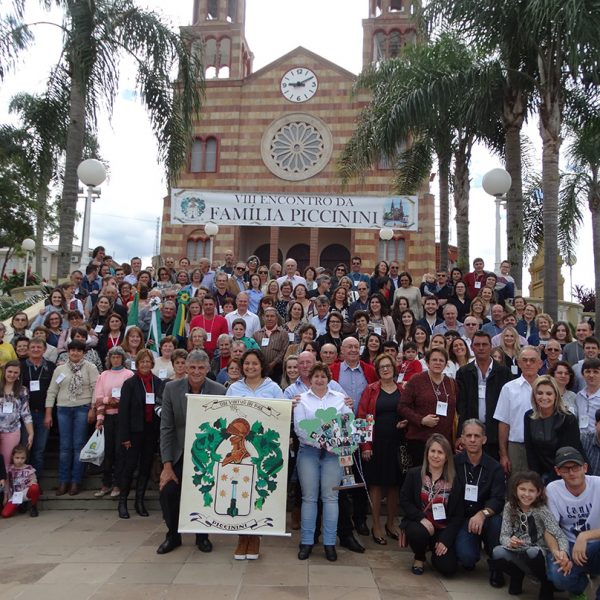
132 317
155 330
183 299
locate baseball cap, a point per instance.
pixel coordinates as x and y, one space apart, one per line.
568 454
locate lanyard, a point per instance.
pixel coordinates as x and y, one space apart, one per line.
478 478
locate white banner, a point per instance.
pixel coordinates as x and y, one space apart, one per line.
235 465
286 210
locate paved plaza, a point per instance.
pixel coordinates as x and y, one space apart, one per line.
80 554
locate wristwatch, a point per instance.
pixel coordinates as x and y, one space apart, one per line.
486 512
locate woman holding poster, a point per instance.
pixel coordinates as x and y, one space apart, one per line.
319 469
255 384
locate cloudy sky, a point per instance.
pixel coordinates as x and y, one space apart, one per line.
124 219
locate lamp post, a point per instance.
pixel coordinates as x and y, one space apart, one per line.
385 235
211 230
91 173
571 262
496 183
28 245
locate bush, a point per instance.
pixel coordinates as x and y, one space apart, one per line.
8 307
16 279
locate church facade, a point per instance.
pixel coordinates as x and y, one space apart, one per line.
263 164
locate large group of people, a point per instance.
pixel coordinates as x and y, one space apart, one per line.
486 411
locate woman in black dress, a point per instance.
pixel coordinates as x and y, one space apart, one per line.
380 456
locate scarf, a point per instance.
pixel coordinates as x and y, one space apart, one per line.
76 383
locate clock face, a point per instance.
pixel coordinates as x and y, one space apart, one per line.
299 84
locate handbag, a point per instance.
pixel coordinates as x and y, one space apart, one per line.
93 451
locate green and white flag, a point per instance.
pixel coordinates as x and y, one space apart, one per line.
133 316
155 331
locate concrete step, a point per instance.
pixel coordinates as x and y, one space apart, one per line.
86 500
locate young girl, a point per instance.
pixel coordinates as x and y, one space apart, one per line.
22 484
529 532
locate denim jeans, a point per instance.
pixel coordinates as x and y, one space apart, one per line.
576 581
468 545
40 438
318 472
73 430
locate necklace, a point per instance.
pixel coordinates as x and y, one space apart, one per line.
437 389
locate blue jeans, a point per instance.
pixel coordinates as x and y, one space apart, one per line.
73 430
468 545
318 472
576 581
40 437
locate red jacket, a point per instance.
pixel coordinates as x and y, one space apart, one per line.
368 371
367 406
215 327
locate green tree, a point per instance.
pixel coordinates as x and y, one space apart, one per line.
96 36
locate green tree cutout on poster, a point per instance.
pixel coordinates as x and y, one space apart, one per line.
205 458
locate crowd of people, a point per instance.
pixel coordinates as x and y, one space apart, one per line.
486 411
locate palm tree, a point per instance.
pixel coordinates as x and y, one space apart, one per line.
96 35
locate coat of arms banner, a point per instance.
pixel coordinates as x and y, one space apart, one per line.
235 465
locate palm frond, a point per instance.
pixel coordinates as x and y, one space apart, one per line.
413 166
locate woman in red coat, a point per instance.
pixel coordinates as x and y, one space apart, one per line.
382 399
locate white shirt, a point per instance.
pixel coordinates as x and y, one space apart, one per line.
307 407
575 513
587 405
514 401
294 279
252 321
481 389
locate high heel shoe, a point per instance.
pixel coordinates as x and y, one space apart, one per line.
379 540
390 533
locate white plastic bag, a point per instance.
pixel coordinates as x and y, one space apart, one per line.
93 451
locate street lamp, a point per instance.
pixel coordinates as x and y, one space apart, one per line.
211 230
385 235
28 245
496 183
91 173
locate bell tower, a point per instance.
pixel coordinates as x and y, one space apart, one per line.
390 26
219 26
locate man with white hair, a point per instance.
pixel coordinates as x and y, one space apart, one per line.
290 266
242 312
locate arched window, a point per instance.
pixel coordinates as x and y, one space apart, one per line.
334 254
395 249
198 245
232 8
213 10
396 6
301 254
379 46
394 44
204 155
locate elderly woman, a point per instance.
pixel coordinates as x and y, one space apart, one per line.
429 404
162 366
72 390
549 425
138 431
411 293
319 470
382 399
107 396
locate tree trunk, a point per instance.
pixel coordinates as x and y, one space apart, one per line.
594 202
550 122
7 256
514 202
73 153
40 225
444 169
462 188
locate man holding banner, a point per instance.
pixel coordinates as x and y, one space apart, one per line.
172 439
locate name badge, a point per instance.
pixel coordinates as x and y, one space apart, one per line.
60 378
116 392
584 421
132 363
441 409
17 498
400 378
98 328
377 330
7 408
34 386
514 369
471 492
481 390
265 342
208 336
291 336
477 285
150 398
162 374
361 349
439 512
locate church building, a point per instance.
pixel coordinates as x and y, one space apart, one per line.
263 164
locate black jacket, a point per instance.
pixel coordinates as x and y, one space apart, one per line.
491 485
132 406
410 501
467 404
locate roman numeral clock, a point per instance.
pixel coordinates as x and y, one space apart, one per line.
299 84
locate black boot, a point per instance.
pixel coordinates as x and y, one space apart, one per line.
538 569
140 494
123 512
496 574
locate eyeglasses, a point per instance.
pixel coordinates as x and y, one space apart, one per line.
471 324
263 272
552 349
381 367
341 269
239 268
567 470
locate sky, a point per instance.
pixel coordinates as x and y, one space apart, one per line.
124 217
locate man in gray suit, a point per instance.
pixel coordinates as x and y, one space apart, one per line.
172 436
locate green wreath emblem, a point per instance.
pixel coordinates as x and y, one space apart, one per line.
268 462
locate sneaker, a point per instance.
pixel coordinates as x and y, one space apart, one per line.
101 492
241 548
253 547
